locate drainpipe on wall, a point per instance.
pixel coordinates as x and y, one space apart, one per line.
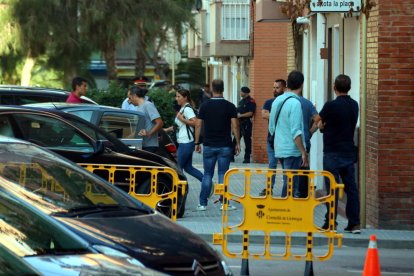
363 120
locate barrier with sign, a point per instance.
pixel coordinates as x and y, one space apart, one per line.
153 196
269 214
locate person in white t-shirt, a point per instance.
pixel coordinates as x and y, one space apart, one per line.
185 122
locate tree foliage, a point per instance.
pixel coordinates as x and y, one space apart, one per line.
62 34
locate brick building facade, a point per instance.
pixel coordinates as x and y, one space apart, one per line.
268 63
390 116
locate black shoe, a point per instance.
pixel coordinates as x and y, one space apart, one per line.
354 229
246 161
325 227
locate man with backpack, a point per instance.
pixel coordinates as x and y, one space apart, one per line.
286 121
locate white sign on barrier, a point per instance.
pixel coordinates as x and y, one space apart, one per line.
335 5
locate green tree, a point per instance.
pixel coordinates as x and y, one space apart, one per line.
49 28
155 20
108 23
32 24
10 55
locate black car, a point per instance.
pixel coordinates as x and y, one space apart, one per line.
122 124
81 142
20 95
50 247
102 214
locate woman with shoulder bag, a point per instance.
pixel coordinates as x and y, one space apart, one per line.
185 121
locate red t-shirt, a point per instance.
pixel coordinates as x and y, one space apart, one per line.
73 98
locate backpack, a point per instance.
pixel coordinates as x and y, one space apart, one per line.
190 130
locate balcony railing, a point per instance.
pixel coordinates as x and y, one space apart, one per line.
235 20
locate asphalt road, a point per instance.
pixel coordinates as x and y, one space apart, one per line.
346 261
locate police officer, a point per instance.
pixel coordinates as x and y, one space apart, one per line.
245 112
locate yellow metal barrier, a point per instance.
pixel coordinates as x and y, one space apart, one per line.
269 214
153 197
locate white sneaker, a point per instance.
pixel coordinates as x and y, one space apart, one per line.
201 207
229 207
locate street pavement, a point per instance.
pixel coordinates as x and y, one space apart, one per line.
205 223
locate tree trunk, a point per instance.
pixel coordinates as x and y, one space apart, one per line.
161 70
27 70
110 57
140 61
68 74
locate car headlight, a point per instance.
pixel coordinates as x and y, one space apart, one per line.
226 268
224 265
108 251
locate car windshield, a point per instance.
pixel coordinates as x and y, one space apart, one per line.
27 232
56 184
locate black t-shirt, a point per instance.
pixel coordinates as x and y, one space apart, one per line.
340 116
216 115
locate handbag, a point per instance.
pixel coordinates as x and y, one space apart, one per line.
271 137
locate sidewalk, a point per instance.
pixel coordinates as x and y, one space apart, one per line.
205 223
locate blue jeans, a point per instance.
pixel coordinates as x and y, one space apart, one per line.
342 166
272 160
185 160
211 155
291 163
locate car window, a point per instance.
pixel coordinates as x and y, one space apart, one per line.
29 99
98 134
121 125
5 127
84 114
27 233
52 133
7 100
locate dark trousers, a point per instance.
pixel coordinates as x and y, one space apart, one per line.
342 166
246 132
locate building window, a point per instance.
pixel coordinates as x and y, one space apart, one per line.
235 22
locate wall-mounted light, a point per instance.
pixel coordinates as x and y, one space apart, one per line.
304 19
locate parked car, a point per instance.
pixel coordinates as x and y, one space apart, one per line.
122 124
159 84
78 141
101 213
19 95
51 248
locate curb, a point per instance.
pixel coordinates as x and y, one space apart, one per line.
349 240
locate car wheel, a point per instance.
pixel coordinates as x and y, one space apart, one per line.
164 206
181 204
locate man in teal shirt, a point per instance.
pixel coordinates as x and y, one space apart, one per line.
289 142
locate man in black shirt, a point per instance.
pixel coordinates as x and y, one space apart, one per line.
245 112
219 119
338 121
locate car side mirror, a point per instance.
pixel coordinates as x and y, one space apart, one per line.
99 147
